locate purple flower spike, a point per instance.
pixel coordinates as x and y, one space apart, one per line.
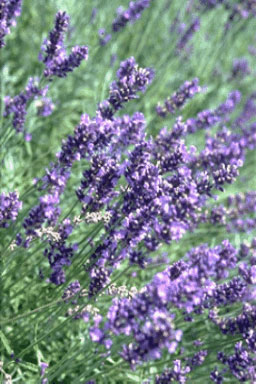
43 367
9 11
241 364
103 37
44 106
216 376
53 46
208 118
131 79
71 290
129 15
9 208
188 34
53 52
18 105
240 68
176 374
179 98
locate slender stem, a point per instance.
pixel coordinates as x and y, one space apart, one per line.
13 319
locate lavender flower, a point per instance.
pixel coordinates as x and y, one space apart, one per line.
179 98
131 79
43 367
241 10
93 15
103 37
207 118
9 11
53 53
237 216
177 26
54 45
101 180
100 131
99 278
177 373
188 34
216 376
44 106
18 105
239 206
46 211
245 8
229 105
71 290
225 294
146 316
240 68
173 211
248 112
10 205
241 364
60 254
101 135
129 15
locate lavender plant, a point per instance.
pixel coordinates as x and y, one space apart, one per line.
127 231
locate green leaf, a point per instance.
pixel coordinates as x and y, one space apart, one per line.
5 343
30 366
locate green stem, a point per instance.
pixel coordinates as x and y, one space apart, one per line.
22 316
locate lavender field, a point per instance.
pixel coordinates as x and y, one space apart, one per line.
128 191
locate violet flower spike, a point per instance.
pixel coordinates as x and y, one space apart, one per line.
179 98
17 106
131 80
130 15
53 52
9 11
240 68
10 205
188 34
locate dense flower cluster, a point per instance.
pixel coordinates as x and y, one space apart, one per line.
53 52
9 11
194 285
134 192
150 324
174 200
92 136
10 205
179 98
